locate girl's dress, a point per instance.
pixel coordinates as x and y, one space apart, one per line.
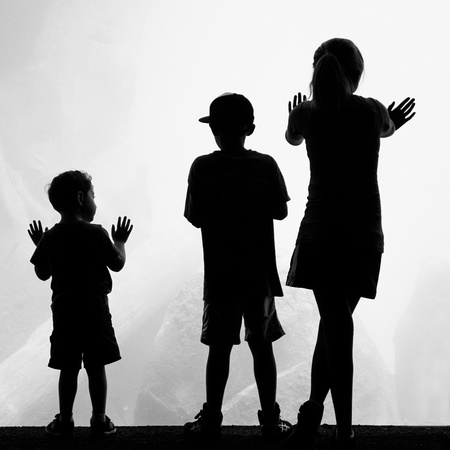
340 240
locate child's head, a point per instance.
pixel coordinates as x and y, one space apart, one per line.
230 114
338 66
70 190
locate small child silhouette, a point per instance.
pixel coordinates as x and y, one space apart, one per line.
340 241
233 196
76 255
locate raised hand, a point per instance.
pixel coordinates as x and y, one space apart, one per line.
403 112
297 100
123 230
36 231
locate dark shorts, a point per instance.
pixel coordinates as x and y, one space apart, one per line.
82 332
222 321
355 268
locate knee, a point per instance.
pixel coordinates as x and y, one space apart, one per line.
220 350
94 371
260 348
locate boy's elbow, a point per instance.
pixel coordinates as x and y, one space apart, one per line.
42 274
281 213
193 220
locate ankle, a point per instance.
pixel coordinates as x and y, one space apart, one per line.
98 417
65 418
344 436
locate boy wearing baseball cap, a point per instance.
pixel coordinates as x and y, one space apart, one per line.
233 196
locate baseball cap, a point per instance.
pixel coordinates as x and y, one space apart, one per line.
230 109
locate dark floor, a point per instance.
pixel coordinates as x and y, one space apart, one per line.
233 437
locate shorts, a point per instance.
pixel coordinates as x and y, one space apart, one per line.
355 268
82 334
222 321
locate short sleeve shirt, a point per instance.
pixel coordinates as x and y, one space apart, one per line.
77 256
343 197
233 198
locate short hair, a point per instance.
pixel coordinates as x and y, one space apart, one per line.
62 191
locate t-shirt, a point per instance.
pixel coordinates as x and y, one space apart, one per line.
343 204
76 255
234 198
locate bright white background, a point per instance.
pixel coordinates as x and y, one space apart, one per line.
116 88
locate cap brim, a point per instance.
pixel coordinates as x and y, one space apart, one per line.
204 119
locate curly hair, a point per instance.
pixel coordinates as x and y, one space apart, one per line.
62 191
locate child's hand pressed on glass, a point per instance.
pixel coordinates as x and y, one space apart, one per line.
297 100
36 231
122 231
402 113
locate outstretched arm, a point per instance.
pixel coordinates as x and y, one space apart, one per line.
120 236
291 136
35 231
403 112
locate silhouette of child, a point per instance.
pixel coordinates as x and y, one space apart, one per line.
340 241
76 255
233 196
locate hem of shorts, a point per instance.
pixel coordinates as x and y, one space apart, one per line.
210 342
59 367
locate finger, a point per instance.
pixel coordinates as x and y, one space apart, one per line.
304 98
408 109
391 106
289 107
410 104
404 102
407 119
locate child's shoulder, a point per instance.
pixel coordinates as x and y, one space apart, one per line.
261 156
369 102
76 228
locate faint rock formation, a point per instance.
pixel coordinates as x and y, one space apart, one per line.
422 349
174 387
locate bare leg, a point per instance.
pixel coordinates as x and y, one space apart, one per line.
217 371
265 370
67 389
320 381
98 387
335 343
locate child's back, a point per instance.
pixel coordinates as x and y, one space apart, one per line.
77 255
233 196
237 196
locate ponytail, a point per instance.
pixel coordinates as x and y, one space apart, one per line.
338 66
329 84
